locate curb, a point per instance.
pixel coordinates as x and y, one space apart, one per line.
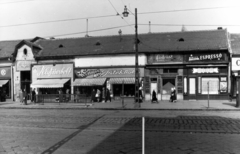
126 109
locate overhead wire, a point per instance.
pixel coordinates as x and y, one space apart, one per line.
104 16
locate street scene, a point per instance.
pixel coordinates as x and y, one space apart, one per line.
115 132
119 77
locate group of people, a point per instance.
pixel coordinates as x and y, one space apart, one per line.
101 96
173 97
23 96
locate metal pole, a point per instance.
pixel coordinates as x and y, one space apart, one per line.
136 62
208 93
123 93
143 135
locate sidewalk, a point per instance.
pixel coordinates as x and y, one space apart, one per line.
129 105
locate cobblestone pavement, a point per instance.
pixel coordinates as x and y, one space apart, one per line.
110 132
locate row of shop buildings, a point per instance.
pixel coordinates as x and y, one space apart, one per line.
197 63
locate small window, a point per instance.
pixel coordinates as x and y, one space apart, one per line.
181 40
60 46
98 43
153 79
25 51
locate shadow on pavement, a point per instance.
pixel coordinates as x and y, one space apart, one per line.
160 132
230 104
56 146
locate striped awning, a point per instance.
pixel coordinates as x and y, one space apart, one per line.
3 82
89 82
122 80
49 83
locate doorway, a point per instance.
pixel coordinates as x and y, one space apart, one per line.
25 77
167 84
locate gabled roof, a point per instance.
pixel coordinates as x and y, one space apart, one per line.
7 48
235 43
153 42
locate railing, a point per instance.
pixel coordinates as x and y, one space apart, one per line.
63 98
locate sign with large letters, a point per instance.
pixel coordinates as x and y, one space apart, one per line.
111 72
206 57
52 71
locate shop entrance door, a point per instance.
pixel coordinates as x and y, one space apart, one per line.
192 88
168 84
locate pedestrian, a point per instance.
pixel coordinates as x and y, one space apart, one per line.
20 94
60 95
103 94
140 95
36 96
154 97
108 95
67 95
33 96
93 96
173 95
25 96
77 96
98 95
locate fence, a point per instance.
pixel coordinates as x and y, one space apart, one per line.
62 98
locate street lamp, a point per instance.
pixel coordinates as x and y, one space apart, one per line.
125 14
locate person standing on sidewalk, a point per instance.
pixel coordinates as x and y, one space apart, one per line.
154 97
33 96
93 94
108 96
20 95
25 96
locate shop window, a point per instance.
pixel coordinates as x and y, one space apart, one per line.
223 84
210 85
170 70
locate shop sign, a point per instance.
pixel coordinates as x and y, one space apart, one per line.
205 70
205 57
51 71
163 58
5 72
235 64
24 65
96 73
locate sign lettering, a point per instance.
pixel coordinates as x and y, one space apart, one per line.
205 70
202 57
95 73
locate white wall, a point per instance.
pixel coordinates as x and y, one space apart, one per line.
120 60
21 56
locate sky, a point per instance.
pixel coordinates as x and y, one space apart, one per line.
26 19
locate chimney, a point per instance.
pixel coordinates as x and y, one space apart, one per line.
219 28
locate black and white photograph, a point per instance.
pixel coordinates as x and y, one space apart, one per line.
119 77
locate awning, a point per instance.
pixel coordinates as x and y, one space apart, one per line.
121 80
49 83
89 82
3 82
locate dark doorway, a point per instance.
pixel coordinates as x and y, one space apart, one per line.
25 80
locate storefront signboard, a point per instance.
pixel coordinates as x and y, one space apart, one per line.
236 64
113 72
205 70
24 65
205 57
52 71
5 72
164 58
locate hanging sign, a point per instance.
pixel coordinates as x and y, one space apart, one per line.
5 72
205 70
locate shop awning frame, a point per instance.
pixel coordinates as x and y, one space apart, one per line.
49 83
89 82
122 80
3 82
